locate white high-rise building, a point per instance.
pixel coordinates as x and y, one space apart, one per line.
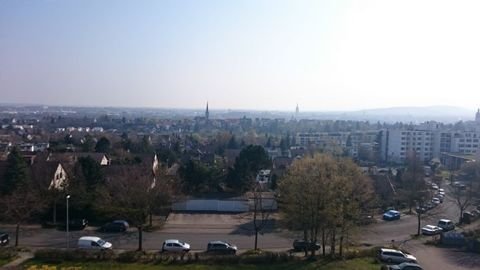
400 143
427 144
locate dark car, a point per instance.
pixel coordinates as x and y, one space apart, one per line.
467 217
4 239
221 247
405 266
391 215
74 224
115 226
302 245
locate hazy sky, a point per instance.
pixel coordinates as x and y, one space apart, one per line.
323 55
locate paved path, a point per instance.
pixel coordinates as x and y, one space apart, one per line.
22 257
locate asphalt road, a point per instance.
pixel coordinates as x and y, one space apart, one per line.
199 229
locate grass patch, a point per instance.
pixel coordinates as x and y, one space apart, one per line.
354 264
4 261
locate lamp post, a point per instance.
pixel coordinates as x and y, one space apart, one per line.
67 224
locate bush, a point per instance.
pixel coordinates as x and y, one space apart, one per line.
129 256
58 256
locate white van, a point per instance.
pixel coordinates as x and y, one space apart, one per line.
446 225
93 242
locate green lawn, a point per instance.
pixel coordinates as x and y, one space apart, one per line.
355 264
4 261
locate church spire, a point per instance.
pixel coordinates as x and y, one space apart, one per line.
207 113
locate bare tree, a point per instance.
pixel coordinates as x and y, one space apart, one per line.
463 199
138 195
321 194
261 211
413 183
19 207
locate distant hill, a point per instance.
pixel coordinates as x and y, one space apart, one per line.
424 111
445 114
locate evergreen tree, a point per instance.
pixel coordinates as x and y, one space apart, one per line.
16 174
103 145
250 161
232 143
91 172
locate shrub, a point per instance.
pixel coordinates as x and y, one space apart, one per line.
58 256
129 256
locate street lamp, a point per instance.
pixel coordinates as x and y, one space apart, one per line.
68 238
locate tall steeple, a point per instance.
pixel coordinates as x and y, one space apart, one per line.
477 116
207 113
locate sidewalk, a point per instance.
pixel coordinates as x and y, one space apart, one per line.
22 226
22 257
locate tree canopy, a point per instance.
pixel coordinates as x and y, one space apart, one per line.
249 162
103 145
16 173
324 196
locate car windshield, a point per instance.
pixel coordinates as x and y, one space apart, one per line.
101 242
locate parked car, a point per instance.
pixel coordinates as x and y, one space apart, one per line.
301 245
115 226
430 205
93 242
391 215
395 256
221 247
405 266
459 185
467 217
441 190
75 224
436 201
446 225
4 239
174 245
421 209
431 230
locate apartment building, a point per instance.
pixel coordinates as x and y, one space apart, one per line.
399 143
427 144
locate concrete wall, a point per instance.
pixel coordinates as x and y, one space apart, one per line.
227 206
236 206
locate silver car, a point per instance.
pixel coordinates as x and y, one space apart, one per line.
395 256
174 245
